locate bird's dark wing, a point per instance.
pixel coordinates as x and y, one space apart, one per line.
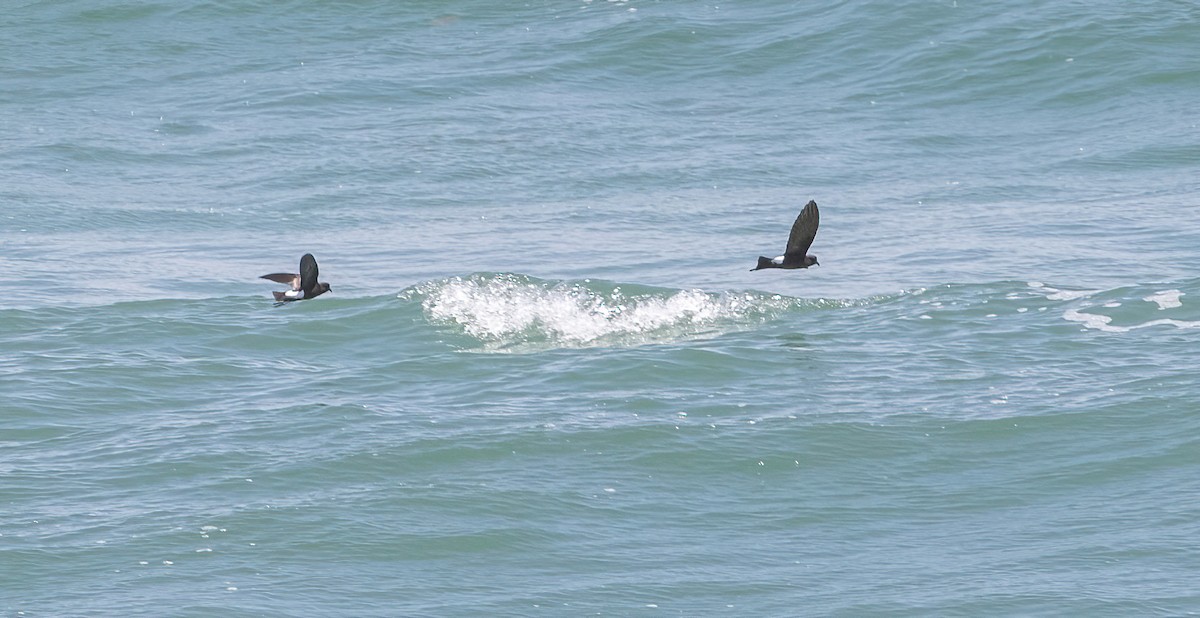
308 272
804 230
291 279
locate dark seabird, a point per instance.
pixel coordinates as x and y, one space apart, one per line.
304 285
804 230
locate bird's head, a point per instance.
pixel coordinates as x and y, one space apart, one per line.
810 260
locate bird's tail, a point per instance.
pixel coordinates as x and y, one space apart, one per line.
279 296
763 262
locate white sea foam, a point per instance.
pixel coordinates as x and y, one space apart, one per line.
1104 323
1089 312
510 310
1057 294
1166 299
1068 294
1091 320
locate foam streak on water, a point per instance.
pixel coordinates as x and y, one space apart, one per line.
1092 308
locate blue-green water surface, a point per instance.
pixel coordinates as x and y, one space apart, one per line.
545 382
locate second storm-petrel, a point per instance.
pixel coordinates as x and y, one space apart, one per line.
804 230
304 285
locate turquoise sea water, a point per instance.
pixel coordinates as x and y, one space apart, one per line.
545 382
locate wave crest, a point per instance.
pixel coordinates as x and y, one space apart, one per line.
515 312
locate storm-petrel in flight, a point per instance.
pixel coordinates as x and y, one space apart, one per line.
804 230
304 285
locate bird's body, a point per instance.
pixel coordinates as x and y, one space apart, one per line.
804 230
304 285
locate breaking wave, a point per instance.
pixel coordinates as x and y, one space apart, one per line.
512 312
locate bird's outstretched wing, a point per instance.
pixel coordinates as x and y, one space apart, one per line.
291 279
804 230
308 272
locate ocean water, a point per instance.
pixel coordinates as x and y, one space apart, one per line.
545 382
